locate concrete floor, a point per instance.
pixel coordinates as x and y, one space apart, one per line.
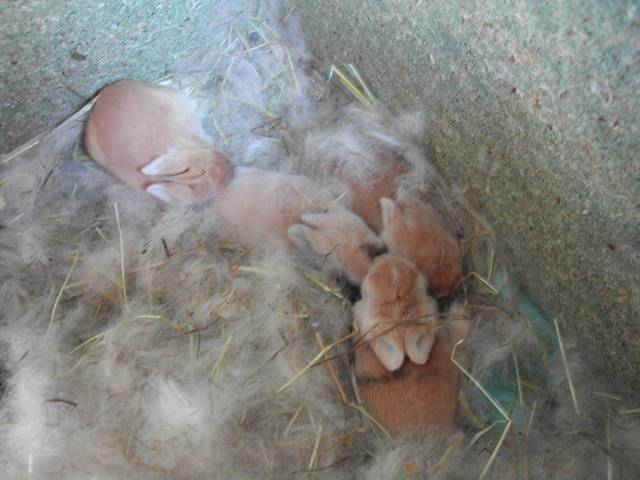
534 107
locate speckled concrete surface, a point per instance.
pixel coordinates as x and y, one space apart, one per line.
535 110
56 54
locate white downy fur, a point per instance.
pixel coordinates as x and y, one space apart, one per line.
182 379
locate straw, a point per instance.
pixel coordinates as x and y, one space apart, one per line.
64 285
566 368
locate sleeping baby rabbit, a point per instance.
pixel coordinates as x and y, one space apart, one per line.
150 138
414 395
404 374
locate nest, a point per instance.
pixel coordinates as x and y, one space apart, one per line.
145 341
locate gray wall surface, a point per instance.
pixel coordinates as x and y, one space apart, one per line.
535 107
55 54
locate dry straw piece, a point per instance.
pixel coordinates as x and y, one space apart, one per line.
176 348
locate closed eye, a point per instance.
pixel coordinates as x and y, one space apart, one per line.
183 172
168 175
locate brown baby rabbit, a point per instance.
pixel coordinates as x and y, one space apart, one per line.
414 399
366 193
149 137
345 243
417 234
397 317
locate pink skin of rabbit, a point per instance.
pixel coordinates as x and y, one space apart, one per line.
150 137
343 241
395 314
260 203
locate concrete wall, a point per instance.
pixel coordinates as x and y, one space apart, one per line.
55 54
536 112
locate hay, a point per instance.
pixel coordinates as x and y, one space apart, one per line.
566 369
168 348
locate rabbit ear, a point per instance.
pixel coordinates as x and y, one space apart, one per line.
342 238
319 221
307 238
299 235
388 208
389 349
418 340
188 174
170 192
387 346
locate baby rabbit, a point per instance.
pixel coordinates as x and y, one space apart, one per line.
415 398
395 314
342 239
416 233
260 203
149 137
366 193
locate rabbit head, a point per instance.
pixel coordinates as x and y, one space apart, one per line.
395 314
150 137
342 239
